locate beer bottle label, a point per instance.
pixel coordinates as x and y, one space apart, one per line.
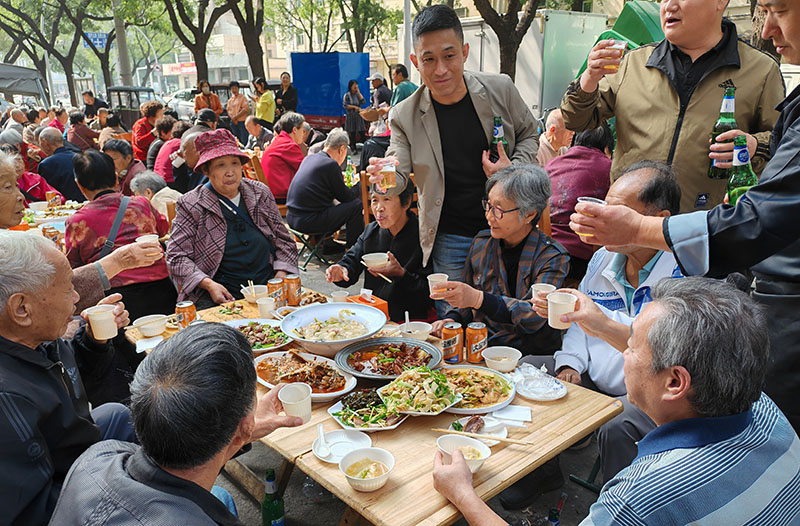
270 487
728 105
498 132
741 157
478 346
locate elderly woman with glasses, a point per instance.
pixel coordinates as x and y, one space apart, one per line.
504 261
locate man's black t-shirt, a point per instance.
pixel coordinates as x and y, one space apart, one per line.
463 143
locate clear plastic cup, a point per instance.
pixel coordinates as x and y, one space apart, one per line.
101 320
339 296
296 400
558 304
265 307
621 46
592 200
434 281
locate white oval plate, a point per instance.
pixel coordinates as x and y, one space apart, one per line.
335 408
349 379
262 321
488 421
456 400
341 442
490 408
553 390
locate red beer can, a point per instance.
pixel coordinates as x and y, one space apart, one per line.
477 336
186 313
452 342
292 290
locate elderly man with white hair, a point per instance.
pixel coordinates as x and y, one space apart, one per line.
16 120
317 184
152 186
57 167
555 140
45 418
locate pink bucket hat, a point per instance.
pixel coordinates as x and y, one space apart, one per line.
216 143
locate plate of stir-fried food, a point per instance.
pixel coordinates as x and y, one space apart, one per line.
419 391
364 410
483 390
386 358
326 380
263 335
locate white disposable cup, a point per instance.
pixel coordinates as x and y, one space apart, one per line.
178 161
265 307
435 279
149 238
101 320
558 304
296 400
339 296
541 287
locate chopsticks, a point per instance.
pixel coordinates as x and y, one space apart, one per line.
252 287
378 273
485 437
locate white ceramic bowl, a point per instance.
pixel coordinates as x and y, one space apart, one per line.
372 453
371 317
260 292
418 330
449 443
155 325
38 206
376 259
503 359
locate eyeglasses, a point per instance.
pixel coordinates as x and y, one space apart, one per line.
497 212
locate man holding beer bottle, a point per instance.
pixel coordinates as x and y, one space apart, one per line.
762 230
442 134
666 97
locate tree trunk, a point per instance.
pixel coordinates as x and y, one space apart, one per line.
508 55
69 72
756 40
255 53
200 61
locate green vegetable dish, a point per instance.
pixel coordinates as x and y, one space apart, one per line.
364 409
419 390
263 336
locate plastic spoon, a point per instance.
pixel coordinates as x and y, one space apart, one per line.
406 329
322 447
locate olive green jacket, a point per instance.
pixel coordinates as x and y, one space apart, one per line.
416 143
651 123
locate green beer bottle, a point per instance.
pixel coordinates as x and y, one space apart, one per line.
498 137
272 504
742 174
349 173
726 121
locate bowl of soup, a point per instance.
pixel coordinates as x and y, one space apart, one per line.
502 359
474 451
367 469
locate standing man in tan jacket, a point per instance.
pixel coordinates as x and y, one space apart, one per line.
441 134
666 97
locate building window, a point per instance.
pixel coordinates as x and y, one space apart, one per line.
243 74
226 75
